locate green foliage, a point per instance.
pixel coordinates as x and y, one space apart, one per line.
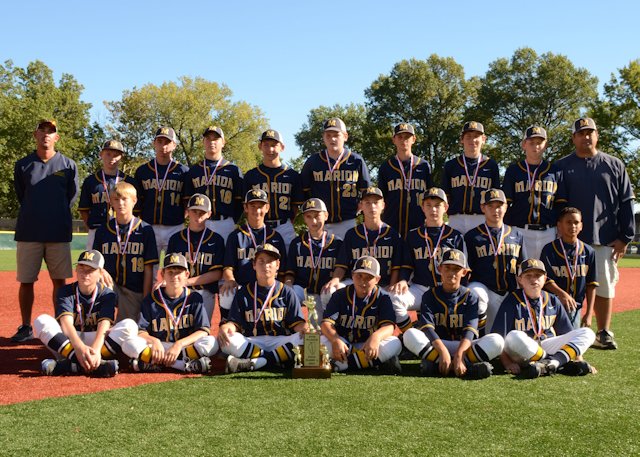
188 106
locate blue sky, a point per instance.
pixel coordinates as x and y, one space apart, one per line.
289 57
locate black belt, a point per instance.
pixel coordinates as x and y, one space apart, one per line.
536 226
275 223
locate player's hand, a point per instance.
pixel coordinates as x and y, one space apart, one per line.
340 350
83 354
445 363
106 279
459 367
330 286
371 347
619 248
228 287
399 288
512 368
94 358
171 355
225 331
586 320
157 352
568 301
158 284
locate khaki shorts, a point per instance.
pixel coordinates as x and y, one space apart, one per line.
606 271
29 256
128 303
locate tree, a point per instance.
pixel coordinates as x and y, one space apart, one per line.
27 95
432 95
528 89
188 106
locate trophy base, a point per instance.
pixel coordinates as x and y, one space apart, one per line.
311 373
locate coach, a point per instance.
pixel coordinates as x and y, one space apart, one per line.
46 183
599 186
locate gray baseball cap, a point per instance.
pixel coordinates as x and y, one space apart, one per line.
199 201
114 145
269 249
166 132
531 264
535 131
256 195
583 123
213 129
493 195
91 258
435 192
453 257
371 191
271 135
175 259
367 264
336 124
472 126
314 204
403 128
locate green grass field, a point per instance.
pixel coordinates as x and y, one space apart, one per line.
267 414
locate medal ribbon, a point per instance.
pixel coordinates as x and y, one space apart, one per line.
335 165
493 245
192 259
353 308
572 273
407 182
430 252
123 246
160 186
532 317
531 179
366 236
253 239
266 301
316 263
170 313
106 186
209 179
79 305
475 174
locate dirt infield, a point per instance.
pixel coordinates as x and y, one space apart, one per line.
19 363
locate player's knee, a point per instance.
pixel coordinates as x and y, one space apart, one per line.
206 346
123 330
492 344
389 347
519 346
44 325
414 340
132 347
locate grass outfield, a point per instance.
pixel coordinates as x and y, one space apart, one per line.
268 414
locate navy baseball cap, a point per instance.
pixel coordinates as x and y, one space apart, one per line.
454 257
314 204
268 249
472 126
367 264
435 192
114 145
91 258
51 122
535 131
493 195
256 195
336 124
175 259
166 132
403 128
199 201
213 129
271 135
531 264
583 123
371 191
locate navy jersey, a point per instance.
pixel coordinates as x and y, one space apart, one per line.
356 322
45 191
278 317
282 185
89 310
182 316
533 194
160 200
339 188
209 258
544 318
241 248
312 265
449 316
127 267
224 187
384 244
94 196
464 194
423 261
569 273
497 272
402 189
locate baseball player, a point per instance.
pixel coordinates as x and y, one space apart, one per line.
94 206
445 337
82 335
241 245
312 255
129 249
495 251
571 268
466 176
160 189
336 176
203 249
534 189
218 179
539 339
265 321
358 323
173 326
403 179
281 182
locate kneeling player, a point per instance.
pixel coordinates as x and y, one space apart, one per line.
539 338
358 323
448 326
265 321
173 326
81 335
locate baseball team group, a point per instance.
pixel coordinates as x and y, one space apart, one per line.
503 275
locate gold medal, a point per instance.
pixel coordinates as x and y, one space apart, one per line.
409 198
351 336
473 193
255 331
159 198
431 267
123 263
495 264
111 213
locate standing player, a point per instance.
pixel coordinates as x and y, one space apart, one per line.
533 188
538 336
173 326
218 179
265 321
448 327
160 189
81 336
203 249
94 205
281 182
358 324
599 186
336 176
403 179
466 176
46 183
495 251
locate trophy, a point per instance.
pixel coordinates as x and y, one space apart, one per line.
313 360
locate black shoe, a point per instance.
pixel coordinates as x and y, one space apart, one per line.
429 369
604 340
107 369
480 370
201 365
545 367
574 368
139 366
392 365
24 333
53 367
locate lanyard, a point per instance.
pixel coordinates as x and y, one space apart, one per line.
407 182
353 308
193 258
160 186
433 252
366 235
531 179
264 305
123 246
316 263
532 317
177 319
79 305
209 179
253 239
572 273
496 250
335 165
471 182
106 186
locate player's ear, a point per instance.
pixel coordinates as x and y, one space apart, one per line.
346 135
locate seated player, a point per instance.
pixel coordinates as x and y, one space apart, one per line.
571 268
242 244
203 249
446 334
539 339
82 336
312 255
173 326
265 322
495 250
358 323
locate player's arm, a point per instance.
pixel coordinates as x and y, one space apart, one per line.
230 283
171 354
85 354
101 331
336 277
84 215
157 349
148 279
458 366
339 348
565 298
371 347
205 278
591 299
225 331
444 364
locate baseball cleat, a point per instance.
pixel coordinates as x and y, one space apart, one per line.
201 365
429 369
107 369
604 340
480 370
575 368
392 365
139 366
545 367
236 365
24 333
53 367
47 366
